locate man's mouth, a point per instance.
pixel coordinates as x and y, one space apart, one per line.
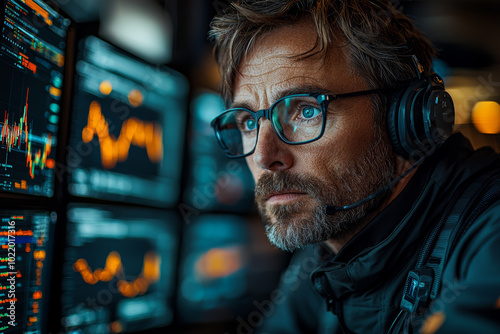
283 197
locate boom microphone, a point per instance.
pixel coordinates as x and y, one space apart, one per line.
332 209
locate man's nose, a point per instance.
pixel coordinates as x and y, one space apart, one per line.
271 153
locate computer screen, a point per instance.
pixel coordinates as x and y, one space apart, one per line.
226 264
128 127
215 182
119 269
25 265
31 65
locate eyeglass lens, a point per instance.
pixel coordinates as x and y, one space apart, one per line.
296 119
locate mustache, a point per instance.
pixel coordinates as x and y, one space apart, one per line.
285 181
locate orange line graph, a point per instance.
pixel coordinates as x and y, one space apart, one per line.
133 132
114 267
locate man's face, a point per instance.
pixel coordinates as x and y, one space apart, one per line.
348 163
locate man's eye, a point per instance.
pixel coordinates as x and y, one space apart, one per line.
250 124
309 112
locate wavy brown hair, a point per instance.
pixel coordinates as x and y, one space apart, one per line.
380 38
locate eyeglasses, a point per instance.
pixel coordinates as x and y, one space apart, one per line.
297 119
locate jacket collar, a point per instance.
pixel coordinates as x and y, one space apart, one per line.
393 237
378 247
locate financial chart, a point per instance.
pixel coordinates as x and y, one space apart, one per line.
127 130
119 269
25 265
31 63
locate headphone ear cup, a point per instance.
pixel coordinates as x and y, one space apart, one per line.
393 120
410 114
406 105
420 117
433 116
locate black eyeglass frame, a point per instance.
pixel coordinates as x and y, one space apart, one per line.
323 101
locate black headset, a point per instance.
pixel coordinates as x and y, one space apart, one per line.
420 115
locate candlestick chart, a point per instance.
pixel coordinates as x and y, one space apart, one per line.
26 144
31 64
17 136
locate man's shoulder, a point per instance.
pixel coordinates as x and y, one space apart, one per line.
470 286
479 238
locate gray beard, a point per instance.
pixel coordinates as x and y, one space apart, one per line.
292 226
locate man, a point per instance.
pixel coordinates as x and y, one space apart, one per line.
321 94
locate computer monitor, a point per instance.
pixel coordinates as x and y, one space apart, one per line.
214 182
128 125
32 57
25 266
119 269
226 263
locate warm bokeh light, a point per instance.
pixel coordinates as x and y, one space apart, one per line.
151 268
55 91
135 97
486 117
50 163
433 323
116 327
219 262
105 87
39 255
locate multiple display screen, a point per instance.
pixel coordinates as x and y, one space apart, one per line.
127 124
119 267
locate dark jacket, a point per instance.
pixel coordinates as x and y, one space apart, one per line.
359 289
